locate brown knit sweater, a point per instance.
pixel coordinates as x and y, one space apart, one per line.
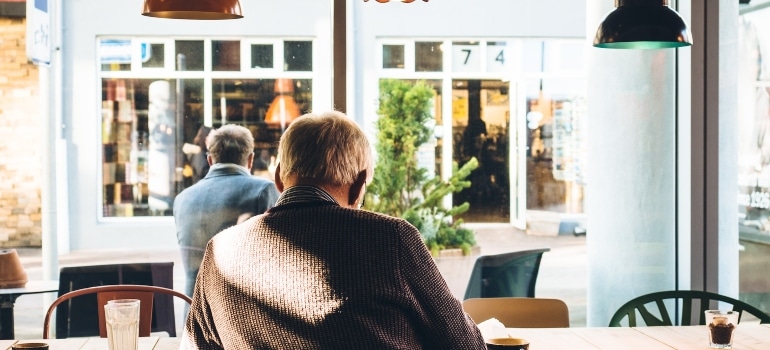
310 274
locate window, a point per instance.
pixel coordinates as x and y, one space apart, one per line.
158 92
517 107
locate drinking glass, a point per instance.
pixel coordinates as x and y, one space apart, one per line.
122 317
721 325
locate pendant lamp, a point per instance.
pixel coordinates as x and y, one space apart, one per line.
284 109
193 9
384 1
642 24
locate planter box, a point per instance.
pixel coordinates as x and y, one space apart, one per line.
457 252
456 268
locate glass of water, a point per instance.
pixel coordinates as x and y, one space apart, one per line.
122 317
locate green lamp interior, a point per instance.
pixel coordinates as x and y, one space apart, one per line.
642 45
642 25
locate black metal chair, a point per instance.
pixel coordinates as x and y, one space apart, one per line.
653 309
85 322
505 275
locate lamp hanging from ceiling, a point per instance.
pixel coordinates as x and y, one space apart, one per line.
284 108
642 24
193 9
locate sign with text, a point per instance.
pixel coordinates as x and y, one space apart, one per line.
38 32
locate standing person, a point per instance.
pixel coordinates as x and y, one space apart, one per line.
315 271
222 198
199 161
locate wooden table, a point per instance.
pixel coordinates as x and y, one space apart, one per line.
747 336
145 343
8 298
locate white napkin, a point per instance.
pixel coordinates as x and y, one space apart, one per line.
493 328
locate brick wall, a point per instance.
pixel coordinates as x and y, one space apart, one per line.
20 140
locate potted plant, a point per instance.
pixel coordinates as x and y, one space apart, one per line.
401 187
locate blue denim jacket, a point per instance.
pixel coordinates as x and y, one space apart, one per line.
214 204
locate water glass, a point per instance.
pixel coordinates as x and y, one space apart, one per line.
721 325
122 317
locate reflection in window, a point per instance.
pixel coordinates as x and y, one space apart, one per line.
298 55
393 56
142 139
153 55
481 130
555 115
261 56
149 125
189 55
225 55
252 103
428 57
115 54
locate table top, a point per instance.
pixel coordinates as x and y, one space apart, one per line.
92 343
747 336
33 287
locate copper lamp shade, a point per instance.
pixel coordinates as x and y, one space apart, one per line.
642 24
284 109
193 9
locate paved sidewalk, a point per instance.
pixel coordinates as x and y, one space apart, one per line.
562 274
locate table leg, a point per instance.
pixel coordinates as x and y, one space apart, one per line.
6 315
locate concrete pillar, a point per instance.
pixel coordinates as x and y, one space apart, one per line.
631 192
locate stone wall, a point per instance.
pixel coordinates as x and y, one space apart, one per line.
20 140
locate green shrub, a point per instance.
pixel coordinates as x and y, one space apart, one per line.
400 187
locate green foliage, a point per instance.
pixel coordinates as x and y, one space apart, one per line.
400 187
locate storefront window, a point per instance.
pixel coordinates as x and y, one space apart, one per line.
393 56
753 120
189 54
261 56
154 110
153 56
226 55
519 111
298 56
428 57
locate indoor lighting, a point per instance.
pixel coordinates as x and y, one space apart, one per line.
193 9
642 24
284 109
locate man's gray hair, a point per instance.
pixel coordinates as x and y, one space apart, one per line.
231 144
326 147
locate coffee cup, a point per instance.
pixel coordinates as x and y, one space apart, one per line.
507 344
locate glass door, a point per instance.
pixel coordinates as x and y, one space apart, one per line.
481 130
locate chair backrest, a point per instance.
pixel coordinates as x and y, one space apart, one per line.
660 308
85 322
111 292
145 307
519 312
505 275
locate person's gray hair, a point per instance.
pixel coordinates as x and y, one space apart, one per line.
325 147
231 144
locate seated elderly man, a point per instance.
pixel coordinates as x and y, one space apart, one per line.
315 271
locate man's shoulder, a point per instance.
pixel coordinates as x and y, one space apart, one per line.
379 219
257 179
